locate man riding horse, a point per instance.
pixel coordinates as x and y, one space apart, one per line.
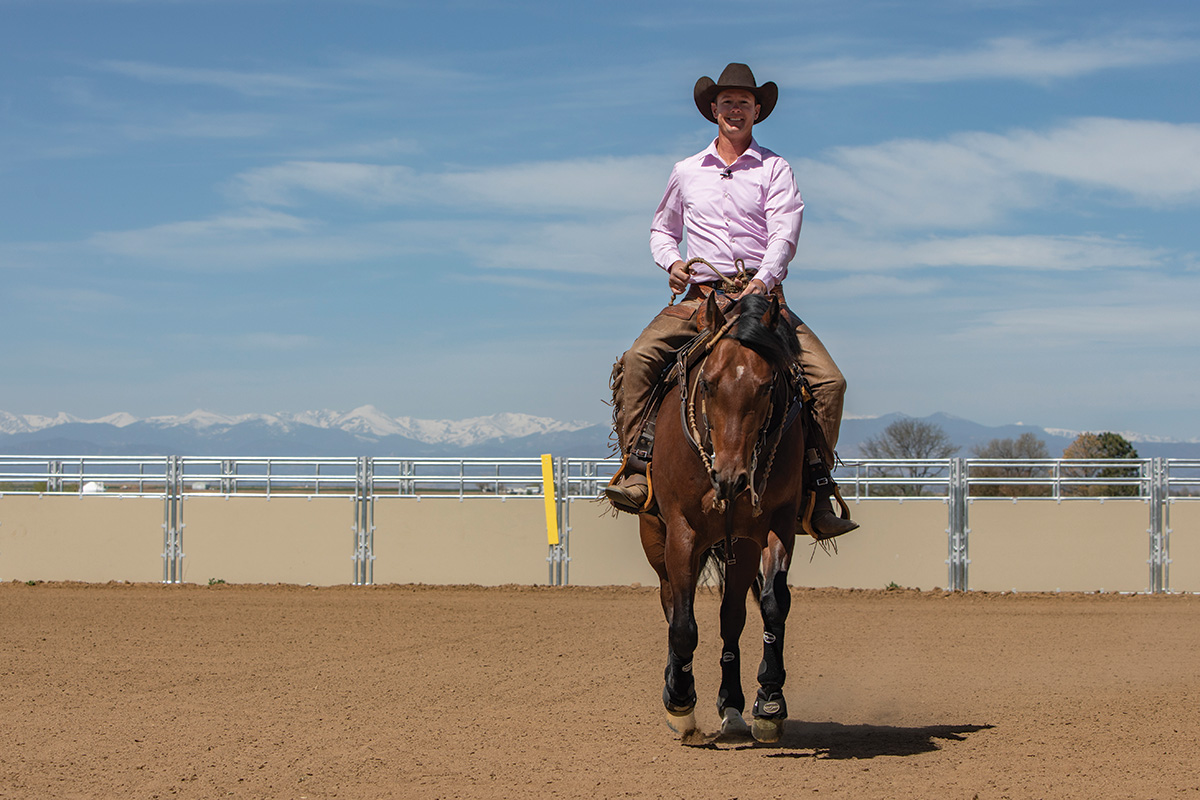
740 207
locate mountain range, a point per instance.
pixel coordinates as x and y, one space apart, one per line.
367 431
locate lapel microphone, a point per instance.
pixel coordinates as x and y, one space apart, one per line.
728 173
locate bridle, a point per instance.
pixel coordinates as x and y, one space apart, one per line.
787 392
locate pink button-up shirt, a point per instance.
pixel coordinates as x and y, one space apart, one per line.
751 211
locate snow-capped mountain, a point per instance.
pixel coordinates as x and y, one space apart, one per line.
355 430
367 431
370 421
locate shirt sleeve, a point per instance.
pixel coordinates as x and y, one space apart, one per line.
666 231
784 212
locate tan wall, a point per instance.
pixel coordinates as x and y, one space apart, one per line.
1032 545
899 542
280 540
74 538
488 541
606 550
1044 545
1184 575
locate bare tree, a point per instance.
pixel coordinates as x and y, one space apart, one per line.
1024 447
909 438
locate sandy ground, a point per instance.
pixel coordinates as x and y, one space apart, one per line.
148 691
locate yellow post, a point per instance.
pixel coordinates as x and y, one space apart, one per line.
551 506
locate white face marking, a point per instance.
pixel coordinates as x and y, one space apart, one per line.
741 368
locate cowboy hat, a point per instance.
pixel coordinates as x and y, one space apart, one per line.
735 76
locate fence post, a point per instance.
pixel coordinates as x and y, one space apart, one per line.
364 521
173 521
564 517
1160 548
957 532
555 481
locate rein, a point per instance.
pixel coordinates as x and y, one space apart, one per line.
740 280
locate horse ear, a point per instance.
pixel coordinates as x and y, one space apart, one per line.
715 319
771 315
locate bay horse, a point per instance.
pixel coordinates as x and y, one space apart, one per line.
727 469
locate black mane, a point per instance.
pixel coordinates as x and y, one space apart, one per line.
777 345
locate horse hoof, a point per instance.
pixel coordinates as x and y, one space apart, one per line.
767 731
682 724
733 725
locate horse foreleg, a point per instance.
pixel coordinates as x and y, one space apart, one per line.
653 533
770 708
679 689
731 702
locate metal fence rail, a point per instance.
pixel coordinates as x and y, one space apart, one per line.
112 475
462 478
954 481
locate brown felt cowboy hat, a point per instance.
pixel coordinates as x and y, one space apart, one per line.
735 76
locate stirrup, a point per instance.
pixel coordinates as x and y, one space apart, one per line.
630 490
630 499
824 489
844 523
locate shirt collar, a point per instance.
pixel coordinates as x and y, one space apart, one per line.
752 152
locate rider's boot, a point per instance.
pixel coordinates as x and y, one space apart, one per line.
817 518
629 489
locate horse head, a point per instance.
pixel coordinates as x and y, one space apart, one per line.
739 387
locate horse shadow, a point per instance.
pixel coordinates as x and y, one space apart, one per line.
837 741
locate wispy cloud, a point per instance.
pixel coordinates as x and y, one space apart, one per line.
838 248
1011 58
287 184
1063 326
969 180
351 73
250 83
616 248
1153 162
913 184
255 236
60 299
899 205
608 185
198 125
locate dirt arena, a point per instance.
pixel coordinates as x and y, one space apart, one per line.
148 691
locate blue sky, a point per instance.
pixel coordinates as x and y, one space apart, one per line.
442 209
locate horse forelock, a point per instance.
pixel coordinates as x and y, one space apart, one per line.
778 344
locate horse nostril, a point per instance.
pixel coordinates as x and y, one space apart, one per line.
729 486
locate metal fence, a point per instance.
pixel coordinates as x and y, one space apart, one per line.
955 482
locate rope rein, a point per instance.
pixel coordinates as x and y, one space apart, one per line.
729 285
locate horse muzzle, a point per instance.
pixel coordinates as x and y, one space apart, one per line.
729 483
